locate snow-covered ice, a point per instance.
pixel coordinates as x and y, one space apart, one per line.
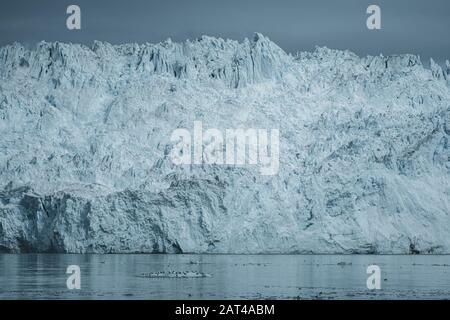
85 142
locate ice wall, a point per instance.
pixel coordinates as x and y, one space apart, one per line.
85 142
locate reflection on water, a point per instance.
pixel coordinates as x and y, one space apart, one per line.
43 276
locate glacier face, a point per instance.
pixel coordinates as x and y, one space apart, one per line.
85 140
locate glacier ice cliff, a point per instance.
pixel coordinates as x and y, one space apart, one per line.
85 142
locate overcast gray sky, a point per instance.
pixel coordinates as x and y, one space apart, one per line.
408 26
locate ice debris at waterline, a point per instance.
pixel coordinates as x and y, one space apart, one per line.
176 274
85 143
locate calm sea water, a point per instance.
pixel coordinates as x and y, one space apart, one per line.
43 276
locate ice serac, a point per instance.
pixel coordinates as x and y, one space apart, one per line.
85 150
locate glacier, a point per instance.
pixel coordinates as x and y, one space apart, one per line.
85 142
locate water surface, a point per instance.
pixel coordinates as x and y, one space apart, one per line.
43 276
